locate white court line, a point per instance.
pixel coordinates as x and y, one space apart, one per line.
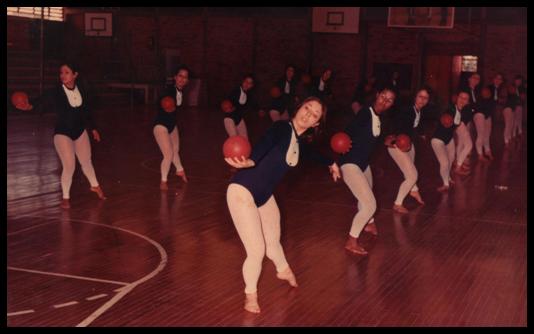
102 295
131 286
68 276
128 286
20 312
65 304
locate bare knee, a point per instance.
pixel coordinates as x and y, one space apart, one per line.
412 176
167 155
68 169
369 207
256 255
469 144
85 162
273 249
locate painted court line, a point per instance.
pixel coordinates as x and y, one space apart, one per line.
127 286
68 276
65 304
102 295
20 312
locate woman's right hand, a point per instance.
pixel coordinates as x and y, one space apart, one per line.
243 163
390 140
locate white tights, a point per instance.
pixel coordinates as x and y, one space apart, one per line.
259 230
169 144
360 184
67 150
405 161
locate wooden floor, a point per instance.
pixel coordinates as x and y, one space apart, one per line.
146 258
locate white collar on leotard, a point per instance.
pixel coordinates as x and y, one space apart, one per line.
292 154
376 122
73 95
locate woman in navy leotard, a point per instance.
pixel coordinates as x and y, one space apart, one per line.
165 129
71 139
250 193
364 130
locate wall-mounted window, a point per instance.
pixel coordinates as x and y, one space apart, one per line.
50 13
469 63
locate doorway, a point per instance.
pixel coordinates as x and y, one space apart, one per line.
445 74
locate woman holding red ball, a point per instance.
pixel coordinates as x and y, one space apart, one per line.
364 130
408 122
165 129
71 134
442 140
250 193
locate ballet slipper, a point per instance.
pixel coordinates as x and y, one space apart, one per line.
399 208
371 228
182 175
288 276
353 247
417 196
251 302
163 186
98 192
65 203
443 189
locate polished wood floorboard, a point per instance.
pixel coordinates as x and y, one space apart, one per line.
147 258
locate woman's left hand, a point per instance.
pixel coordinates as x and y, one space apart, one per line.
96 136
334 170
237 163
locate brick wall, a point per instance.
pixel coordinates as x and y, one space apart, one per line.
280 41
342 53
239 44
229 54
186 35
506 51
19 33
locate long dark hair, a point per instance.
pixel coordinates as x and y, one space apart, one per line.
72 66
314 98
182 67
79 80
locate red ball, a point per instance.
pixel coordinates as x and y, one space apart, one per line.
19 98
306 78
340 142
403 142
446 120
236 146
275 92
227 106
168 104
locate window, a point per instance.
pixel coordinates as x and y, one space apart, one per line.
469 63
50 13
